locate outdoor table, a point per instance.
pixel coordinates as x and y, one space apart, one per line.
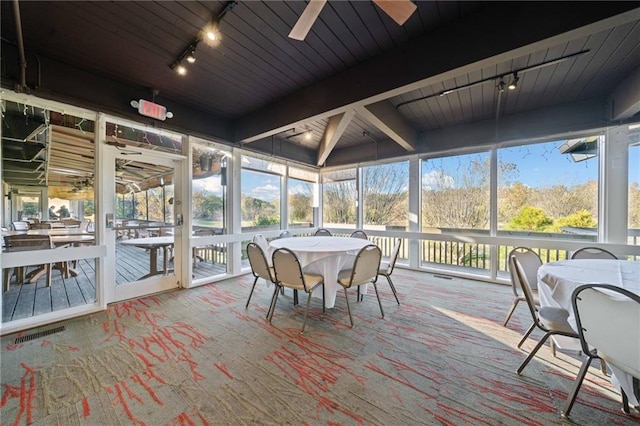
153 244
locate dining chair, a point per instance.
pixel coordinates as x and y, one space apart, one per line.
259 267
608 321
289 273
386 268
592 253
531 263
364 271
322 233
15 243
359 234
550 320
262 242
285 234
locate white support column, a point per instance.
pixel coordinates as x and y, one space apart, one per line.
415 221
185 208
359 199
614 184
234 212
284 200
493 210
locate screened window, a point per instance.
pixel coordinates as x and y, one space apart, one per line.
550 187
302 187
455 192
385 195
208 190
260 194
339 198
634 186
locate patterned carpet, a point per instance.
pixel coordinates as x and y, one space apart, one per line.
197 357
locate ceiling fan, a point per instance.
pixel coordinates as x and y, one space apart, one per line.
398 10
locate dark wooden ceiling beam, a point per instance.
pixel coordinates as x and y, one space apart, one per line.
465 45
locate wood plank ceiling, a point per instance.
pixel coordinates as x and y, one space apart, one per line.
357 79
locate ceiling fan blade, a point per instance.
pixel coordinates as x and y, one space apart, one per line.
306 20
398 10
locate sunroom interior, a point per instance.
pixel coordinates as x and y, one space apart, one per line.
520 137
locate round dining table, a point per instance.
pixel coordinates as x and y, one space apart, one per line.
325 256
558 280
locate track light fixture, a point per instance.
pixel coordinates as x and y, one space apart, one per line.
501 84
191 55
514 82
209 34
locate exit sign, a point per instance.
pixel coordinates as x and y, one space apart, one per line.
150 109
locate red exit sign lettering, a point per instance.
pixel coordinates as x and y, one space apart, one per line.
152 110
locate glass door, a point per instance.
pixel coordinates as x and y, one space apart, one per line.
142 225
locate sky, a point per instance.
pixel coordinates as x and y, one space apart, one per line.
537 164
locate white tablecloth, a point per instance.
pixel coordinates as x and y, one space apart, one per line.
558 280
325 256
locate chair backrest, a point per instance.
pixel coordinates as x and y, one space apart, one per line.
359 234
20 226
366 265
40 225
322 233
516 259
258 261
260 240
608 320
70 222
27 242
530 262
394 255
285 234
592 253
287 269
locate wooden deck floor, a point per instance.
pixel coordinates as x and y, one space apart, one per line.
32 299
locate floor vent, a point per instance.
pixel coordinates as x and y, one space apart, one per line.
39 334
444 277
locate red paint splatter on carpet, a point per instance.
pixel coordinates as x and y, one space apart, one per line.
25 394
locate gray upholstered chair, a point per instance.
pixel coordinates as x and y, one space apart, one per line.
592 253
322 233
259 267
531 263
359 234
608 321
364 271
386 268
550 320
288 273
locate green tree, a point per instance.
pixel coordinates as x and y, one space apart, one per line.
580 219
530 219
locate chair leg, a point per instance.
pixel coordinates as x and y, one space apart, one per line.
306 312
251 292
5 279
533 352
603 366
272 308
552 343
346 296
375 287
48 267
513 308
526 334
576 386
393 288
323 299
625 402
